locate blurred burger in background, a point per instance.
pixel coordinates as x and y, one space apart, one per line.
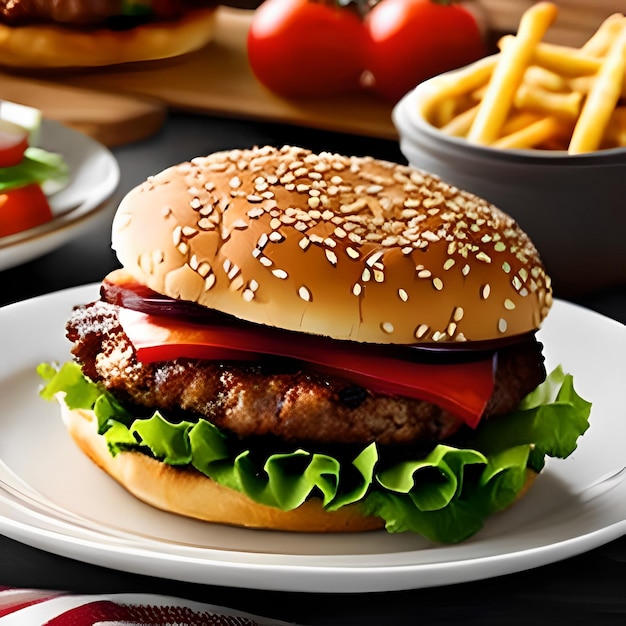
89 33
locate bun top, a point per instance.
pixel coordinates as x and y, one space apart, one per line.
347 247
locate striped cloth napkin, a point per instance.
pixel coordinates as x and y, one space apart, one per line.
36 607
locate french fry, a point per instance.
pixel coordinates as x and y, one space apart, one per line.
601 100
560 105
542 78
519 120
509 72
558 59
532 135
459 126
466 80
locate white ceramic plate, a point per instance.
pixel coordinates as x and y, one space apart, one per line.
94 176
564 514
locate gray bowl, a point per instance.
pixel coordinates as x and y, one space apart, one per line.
572 206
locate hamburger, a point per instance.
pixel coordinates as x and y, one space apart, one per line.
82 33
316 342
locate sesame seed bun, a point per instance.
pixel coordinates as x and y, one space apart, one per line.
50 45
191 494
347 247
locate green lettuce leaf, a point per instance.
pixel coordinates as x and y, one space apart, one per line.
38 166
444 496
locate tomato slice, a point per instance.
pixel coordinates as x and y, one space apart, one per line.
461 388
23 208
13 143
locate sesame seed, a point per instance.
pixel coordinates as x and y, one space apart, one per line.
282 274
209 281
438 284
421 331
387 327
203 269
502 325
357 289
177 235
373 259
509 304
254 213
304 293
234 271
403 295
485 290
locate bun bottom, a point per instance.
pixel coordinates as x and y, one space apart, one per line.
191 494
51 46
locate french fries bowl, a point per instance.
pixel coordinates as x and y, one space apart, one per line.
539 130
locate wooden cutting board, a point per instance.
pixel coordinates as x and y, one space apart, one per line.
217 80
110 118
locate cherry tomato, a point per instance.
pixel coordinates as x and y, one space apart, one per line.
22 208
306 48
412 40
13 143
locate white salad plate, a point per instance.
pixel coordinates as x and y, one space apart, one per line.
94 177
53 498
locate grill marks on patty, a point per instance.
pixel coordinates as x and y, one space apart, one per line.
279 397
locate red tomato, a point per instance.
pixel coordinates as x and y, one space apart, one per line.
306 48
462 388
23 208
412 40
13 143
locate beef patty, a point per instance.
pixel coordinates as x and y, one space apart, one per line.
280 397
